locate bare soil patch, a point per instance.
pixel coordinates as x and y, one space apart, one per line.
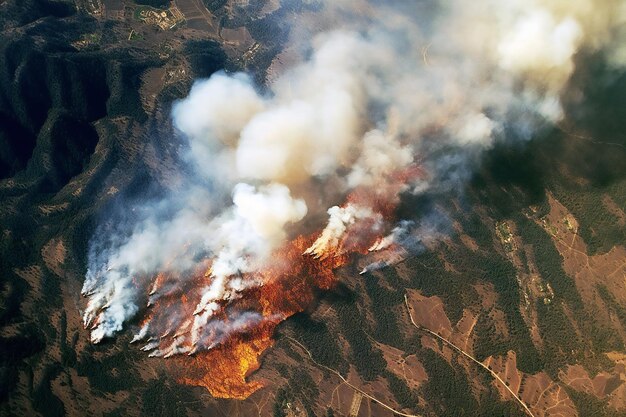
543 396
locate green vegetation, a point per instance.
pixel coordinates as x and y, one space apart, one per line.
51 99
428 275
109 374
595 153
502 275
68 355
163 398
488 341
301 389
135 36
561 346
598 226
385 305
92 37
88 41
490 267
205 57
319 341
492 405
589 405
613 305
513 180
447 390
214 5
401 392
44 399
282 401
139 10
154 3
505 236
549 262
367 359
28 343
306 389
561 343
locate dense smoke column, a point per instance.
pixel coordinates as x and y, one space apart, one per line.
393 100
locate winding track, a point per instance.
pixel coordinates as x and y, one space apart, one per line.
365 394
433 334
467 355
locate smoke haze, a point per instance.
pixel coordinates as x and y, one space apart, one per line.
385 100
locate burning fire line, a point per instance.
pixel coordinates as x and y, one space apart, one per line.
358 107
219 343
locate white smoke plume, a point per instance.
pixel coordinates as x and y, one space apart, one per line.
380 89
340 219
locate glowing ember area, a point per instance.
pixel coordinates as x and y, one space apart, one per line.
287 286
242 328
223 370
217 326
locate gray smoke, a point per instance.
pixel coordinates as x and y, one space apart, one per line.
375 88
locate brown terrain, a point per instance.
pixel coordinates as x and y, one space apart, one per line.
543 396
409 340
538 392
608 269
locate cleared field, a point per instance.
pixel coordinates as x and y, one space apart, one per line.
113 9
542 395
199 23
194 10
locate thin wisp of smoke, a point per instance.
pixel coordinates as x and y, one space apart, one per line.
388 102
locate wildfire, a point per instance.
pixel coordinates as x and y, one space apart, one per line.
348 119
224 369
216 327
304 266
289 287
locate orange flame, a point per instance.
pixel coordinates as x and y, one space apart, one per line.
288 287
